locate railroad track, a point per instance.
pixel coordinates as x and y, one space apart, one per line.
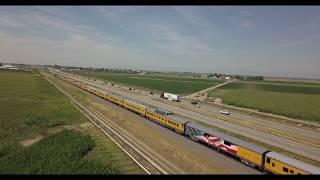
125 143
162 163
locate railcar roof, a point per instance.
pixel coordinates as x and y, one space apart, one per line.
116 96
93 88
135 103
178 118
299 164
173 117
229 138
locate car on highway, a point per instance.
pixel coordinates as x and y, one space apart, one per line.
194 102
225 112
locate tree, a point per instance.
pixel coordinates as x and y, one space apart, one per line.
56 66
256 78
238 77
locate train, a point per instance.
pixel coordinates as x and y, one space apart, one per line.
252 155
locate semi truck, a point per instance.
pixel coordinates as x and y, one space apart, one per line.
171 97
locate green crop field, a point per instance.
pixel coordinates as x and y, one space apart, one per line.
61 153
159 83
31 107
300 101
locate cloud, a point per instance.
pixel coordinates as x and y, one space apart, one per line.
8 21
190 15
246 13
77 50
241 22
247 24
307 40
41 23
169 39
118 12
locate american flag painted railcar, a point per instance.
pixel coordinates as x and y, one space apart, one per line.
247 152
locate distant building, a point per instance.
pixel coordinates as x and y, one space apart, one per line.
75 69
9 66
227 78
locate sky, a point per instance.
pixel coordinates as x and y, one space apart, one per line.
249 40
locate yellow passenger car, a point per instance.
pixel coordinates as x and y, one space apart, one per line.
174 122
250 153
280 164
85 87
115 99
92 90
135 107
100 93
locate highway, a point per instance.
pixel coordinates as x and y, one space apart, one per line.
290 145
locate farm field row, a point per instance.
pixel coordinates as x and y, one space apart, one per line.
298 101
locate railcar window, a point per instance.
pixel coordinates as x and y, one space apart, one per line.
268 160
227 143
285 169
273 165
291 171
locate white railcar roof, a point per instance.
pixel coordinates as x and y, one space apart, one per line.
296 163
231 139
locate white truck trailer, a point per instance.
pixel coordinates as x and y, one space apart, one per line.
171 97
